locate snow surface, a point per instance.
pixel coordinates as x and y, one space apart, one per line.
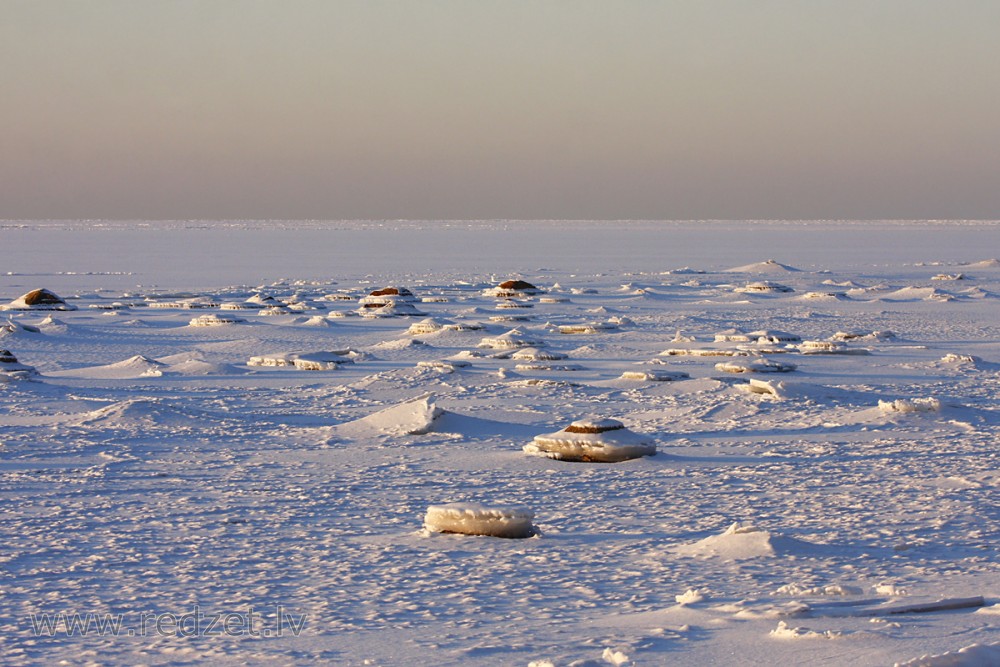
147 468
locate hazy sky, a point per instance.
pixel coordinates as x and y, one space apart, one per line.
499 109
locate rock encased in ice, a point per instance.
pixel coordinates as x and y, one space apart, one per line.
38 299
592 440
513 288
476 519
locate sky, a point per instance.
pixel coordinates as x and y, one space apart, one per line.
483 109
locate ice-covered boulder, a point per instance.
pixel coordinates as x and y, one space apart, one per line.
38 299
513 288
594 440
10 364
475 519
385 296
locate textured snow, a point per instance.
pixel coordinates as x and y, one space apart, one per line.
145 468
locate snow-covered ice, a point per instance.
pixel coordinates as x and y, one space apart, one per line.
843 513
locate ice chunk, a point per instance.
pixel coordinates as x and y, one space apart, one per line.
475 519
594 440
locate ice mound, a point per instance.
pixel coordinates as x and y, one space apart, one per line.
535 354
773 336
824 296
732 336
475 519
873 335
829 347
427 326
763 287
274 310
777 389
974 655
904 405
305 361
767 266
739 542
259 299
189 303
912 293
213 320
514 338
387 296
510 303
10 364
984 264
543 366
128 369
316 321
413 417
38 299
654 376
464 326
702 352
390 309
961 360
513 288
446 365
593 440
755 366
139 413
191 363
589 328
784 631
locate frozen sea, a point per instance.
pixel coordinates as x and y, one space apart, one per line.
214 453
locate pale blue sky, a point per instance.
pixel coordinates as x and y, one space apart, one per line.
507 108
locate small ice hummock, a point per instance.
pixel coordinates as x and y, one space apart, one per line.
592 440
764 287
476 519
213 320
427 326
535 354
513 339
907 405
655 376
755 366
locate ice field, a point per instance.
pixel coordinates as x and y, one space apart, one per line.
219 424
